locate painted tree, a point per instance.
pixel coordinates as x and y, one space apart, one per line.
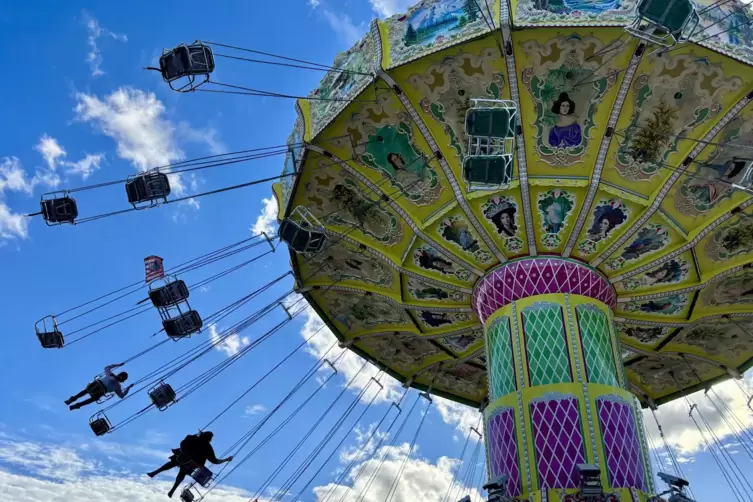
649 141
410 35
471 9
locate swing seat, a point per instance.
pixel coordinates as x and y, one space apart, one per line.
171 293
202 475
145 189
664 21
746 181
184 325
100 424
303 232
162 396
49 339
187 61
187 495
488 169
491 122
58 208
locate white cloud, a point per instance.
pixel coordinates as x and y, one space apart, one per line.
144 136
255 409
462 416
314 3
343 25
421 480
230 345
267 220
13 179
95 31
387 8
50 150
86 166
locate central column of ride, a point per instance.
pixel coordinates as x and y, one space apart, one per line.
557 392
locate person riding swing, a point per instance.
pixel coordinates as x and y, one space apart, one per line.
110 383
194 451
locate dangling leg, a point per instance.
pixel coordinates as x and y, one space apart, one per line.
83 403
171 464
76 397
178 480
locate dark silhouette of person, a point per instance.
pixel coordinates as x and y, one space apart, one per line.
100 387
435 320
194 451
427 261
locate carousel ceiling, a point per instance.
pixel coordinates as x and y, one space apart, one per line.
382 170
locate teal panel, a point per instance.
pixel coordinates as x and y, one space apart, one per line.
500 361
546 344
597 348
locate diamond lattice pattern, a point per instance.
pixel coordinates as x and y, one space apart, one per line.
621 444
546 345
595 336
558 441
501 364
538 276
503 448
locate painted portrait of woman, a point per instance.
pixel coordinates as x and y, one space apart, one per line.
504 220
554 218
669 272
606 218
566 132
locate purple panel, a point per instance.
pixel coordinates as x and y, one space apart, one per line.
503 448
537 276
558 441
621 445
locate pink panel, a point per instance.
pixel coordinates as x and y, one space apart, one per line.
621 445
503 449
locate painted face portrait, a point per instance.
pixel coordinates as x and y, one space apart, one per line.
566 132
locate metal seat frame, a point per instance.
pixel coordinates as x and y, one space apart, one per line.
173 290
191 84
59 195
654 32
44 331
156 390
175 310
491 146
152 180
306 222
100 416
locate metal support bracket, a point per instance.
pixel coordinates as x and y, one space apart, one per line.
269 241
331 365
426 396
378 383
287 311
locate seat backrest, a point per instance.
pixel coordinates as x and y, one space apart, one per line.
175 64
494 170
669 14
490 122
201 59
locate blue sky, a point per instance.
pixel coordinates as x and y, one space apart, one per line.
78 110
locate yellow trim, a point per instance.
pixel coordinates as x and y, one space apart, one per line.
306 114
384 35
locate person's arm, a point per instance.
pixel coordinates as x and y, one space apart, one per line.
123 392
108 369
212 458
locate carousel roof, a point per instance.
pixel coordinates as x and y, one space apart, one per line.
382 171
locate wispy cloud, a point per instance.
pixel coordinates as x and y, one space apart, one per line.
229 345
267 221
54 155
387 8
342 24
50 150
95 31
255 409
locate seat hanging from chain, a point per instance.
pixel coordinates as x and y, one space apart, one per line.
162 396
171 293
664 22
491 126
100 424
183 326
303 232
146 189
58 208
50 336
189 62
202 476
187 495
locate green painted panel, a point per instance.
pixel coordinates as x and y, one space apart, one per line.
500 362
546 344
597 349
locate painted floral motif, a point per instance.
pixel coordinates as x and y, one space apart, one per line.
435 320
338 86
502 212
649 239
433 24
608 215
461 343
554 208
381 136
344 202
448 86
732 239
574 11
461 378
670 305
347 262
672 271
458 231
736 289
719 337
643 334
428 258
682 92
429 292
713 178
565 107
364 311
663 374
404 355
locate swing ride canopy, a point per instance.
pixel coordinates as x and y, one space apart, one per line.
624 164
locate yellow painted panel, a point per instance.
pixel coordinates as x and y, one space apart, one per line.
440 86
502 215
671 275
457 235
609 216
728 245
426 294
554 214
425 260
681 93
671 307
729 294
568 82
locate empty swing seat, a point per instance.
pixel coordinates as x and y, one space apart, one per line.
491 122
100 424
147 188
51 339
301 238
187 495
162 396
171 293
59 210
184 325
664 21
202 475
186 61
488 170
